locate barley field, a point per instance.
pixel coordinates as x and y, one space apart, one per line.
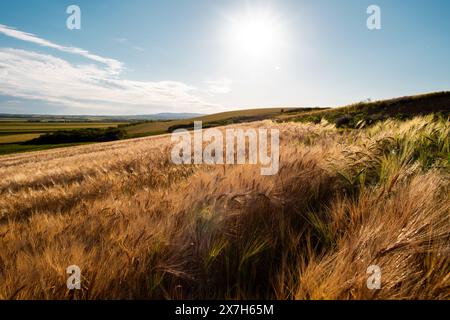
141 227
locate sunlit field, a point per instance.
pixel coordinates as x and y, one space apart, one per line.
142 227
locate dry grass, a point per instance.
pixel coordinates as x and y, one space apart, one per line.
140 227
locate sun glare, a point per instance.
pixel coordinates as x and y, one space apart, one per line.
255 34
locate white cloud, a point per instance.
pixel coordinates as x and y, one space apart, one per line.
47 78
220 86
113 65
3 71
36 76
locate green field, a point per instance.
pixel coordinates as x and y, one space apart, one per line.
21 131
14 134
15 138
16 127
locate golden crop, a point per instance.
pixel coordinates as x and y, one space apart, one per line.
140 226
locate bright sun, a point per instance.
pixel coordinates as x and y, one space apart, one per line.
255 34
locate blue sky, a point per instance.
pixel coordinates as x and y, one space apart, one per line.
142 56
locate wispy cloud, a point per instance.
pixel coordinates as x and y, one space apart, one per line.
121 40
37 76
113 65
137 48
92 87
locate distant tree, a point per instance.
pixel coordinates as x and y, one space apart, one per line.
80 135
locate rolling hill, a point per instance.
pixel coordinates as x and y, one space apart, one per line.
217 119
348 116
364 113
14 135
